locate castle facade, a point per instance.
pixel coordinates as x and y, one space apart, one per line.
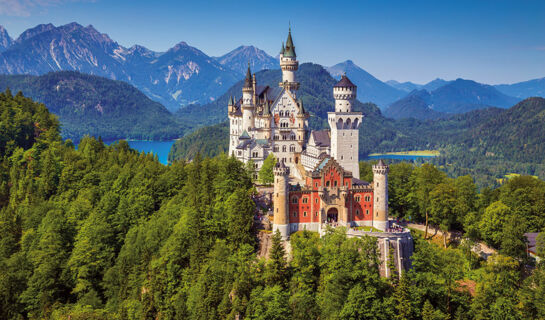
316 179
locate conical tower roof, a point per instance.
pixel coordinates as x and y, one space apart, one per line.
248 80
290 48
283 49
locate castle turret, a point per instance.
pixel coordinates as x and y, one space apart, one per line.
248 105
344 93
380 201
280 199
289 64
344 126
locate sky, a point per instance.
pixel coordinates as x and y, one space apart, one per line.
489 41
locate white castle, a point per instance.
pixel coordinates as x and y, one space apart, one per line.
273 120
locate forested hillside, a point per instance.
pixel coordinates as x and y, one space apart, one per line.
104 232
96 106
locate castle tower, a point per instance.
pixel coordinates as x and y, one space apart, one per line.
248 98
280 199
380 201
289 64
344 126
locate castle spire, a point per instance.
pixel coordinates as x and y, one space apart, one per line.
283 49
248 80
290 48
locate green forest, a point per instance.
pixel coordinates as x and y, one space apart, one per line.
96 106
105 232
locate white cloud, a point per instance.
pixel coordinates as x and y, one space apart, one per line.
24 8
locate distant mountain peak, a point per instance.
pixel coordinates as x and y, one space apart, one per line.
238 59
5 39
32 32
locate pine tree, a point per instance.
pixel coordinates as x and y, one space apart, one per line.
277 271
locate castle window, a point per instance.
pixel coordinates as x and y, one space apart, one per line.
377 184
358 198
316 214
292 137
327 183
275 149
295 214
281 113
284 149
304 213
292 148
294 200
367 198
305 200
316 200
316 185
342 157
357 212
335 183
367 212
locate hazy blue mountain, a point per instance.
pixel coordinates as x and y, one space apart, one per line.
5 39
238 60
461 95
415 105
457 96
87 104
180 76
434 84
46 48
183 75
404 86
525 89
370 89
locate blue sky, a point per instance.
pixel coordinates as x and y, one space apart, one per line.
495 41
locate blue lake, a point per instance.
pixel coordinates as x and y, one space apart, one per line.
159 148
398 157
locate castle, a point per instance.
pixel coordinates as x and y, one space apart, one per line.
316 177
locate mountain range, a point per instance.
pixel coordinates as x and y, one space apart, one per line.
93 105
180 76
458 96
184 75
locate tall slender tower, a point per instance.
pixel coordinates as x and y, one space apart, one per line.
344 126
280 199
289 64
380 201
248 106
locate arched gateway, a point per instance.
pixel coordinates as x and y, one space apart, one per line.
332 215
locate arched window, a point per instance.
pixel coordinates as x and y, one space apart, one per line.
348 123
335 183
275 149
284 149
358 198
305 199
340 124
294 200
292 137
327 183
281 113
292 148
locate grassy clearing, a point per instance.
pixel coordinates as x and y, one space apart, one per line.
510 176
423 153
367 229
